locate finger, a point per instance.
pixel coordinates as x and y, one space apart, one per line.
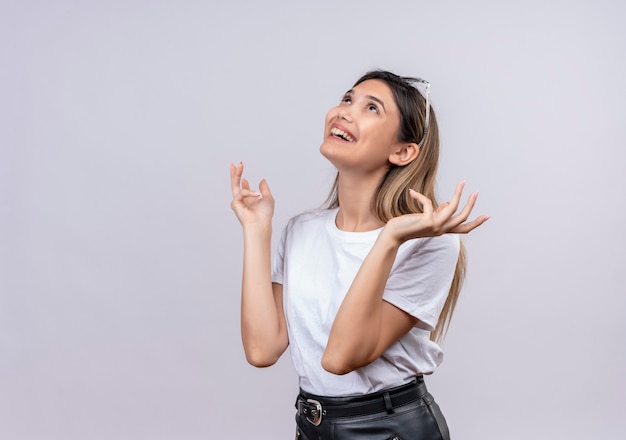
453 223
246 192
427 204
453 204
459 218
235 177
445 211
442 206
264 189
470 226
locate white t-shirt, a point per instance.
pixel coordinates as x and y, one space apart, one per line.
316 264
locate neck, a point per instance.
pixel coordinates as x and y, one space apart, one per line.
355 195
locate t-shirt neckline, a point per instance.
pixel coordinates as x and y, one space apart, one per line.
348 236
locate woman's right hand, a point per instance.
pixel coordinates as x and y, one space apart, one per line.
250 207
263 325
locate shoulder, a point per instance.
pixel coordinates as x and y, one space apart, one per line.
444 249
310 218
445 242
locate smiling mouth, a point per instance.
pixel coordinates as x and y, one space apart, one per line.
338 133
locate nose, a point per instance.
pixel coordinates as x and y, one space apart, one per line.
344 114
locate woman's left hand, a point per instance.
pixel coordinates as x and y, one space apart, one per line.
433 222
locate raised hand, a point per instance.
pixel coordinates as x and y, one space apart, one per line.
250 207
433 222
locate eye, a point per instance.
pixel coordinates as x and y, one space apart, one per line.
372 108
347 99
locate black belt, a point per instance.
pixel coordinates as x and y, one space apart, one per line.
314 408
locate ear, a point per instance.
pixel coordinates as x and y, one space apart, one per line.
404 154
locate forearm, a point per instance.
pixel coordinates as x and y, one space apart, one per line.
261 327
356 330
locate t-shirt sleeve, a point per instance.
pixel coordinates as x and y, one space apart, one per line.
278 262
421 277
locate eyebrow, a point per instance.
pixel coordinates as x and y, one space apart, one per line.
370 97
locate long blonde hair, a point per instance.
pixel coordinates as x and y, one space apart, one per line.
392 197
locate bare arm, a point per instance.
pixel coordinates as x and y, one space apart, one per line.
263 326
366 325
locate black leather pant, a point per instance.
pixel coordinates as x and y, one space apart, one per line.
420 419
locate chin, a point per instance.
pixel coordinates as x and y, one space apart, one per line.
329 151
324 147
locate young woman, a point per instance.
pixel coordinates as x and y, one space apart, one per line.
363 289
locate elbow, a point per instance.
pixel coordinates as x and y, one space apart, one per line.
260 360
336 365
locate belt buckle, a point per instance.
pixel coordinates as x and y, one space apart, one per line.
312 411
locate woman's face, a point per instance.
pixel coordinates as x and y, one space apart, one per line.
361 132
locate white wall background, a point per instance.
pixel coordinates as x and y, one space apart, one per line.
120 258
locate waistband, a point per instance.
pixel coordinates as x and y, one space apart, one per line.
314 408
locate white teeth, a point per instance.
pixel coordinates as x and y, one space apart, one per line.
341 134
